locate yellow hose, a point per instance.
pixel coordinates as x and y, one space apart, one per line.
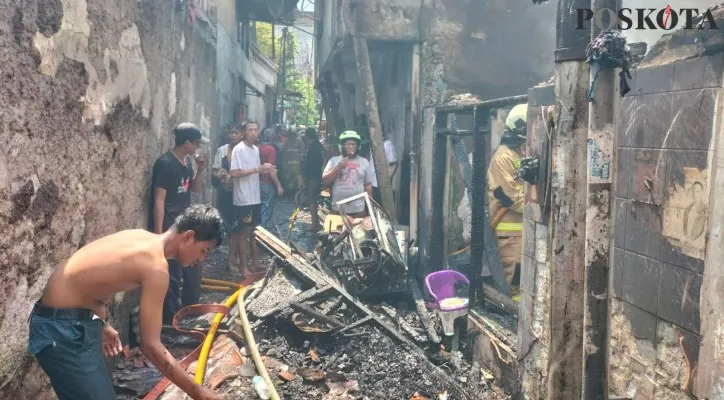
204 356
292 220
253 349
217 282
219 288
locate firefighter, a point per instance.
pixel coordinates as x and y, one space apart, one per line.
506 193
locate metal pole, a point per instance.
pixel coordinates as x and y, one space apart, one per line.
283 62
437 234
415 142
568 213
601 158
309 98
478 207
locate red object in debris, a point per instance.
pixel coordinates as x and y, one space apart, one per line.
226 359
138 363
218 379
196 309
312 375
286 376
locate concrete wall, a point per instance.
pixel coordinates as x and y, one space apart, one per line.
391 73
666 134
91 91
232 66
328 36
533 344
243 77
389 20
304 28
226 16
492 49
495 48
263 78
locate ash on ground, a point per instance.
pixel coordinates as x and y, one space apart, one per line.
379 367
364 363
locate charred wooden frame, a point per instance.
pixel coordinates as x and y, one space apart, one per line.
481 118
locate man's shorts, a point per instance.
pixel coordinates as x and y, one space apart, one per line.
69 351
247 217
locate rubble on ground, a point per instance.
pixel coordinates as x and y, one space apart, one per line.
318 341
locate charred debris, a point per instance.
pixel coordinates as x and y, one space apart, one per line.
345 321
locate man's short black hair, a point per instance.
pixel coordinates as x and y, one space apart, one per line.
247 123
310 133
204 220
186 131
234 126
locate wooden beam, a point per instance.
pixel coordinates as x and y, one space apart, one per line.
599 194
568 210
500 300
709 373
373 123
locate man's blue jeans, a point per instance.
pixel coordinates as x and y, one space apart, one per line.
69 351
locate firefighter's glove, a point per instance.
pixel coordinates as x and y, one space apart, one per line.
528 171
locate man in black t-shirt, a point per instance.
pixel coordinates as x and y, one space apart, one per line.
312 173
172 182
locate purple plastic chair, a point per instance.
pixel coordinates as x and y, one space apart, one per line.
441 286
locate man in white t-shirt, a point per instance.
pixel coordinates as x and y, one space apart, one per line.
349 174
245 170
391 157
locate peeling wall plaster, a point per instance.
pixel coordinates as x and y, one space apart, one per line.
125 67
86 86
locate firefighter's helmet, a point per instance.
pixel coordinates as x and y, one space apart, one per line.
517 118
516 126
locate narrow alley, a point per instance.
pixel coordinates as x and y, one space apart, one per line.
362 199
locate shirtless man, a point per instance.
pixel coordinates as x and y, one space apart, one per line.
67 328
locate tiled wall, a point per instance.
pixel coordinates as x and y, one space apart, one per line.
662 186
